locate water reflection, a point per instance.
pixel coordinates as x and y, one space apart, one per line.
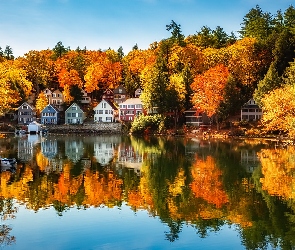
204 184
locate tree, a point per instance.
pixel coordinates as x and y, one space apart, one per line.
176 34
14 87
8 54
41 102
270 82
208 90
257 24
59 50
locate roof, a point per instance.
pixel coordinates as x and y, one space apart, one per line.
132 101
25 103
74 104
113 106
55 109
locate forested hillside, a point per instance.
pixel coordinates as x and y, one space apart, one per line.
210 70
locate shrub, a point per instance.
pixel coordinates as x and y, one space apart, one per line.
148 124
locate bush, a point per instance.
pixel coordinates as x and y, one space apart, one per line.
148 124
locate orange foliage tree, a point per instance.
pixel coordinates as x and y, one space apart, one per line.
209 89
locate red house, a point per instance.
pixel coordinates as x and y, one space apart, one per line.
130 109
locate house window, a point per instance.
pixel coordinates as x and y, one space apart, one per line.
120 90
25 106
100 112
100 119
68 114
73 114
74 108
106 111
79 114
138 106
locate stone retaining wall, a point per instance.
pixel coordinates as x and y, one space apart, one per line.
99 128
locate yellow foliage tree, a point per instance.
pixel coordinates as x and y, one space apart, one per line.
41 102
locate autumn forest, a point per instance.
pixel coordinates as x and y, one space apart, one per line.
210 70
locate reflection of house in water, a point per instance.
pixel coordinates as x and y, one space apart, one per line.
26 147
104 149
74 149
130 158
249 160
49 148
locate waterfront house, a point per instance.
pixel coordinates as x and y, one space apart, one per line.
74 115
50 115
120 94
250 111
195 118
105 111
26 113
130 109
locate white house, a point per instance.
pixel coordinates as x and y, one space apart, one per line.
105 111
250 111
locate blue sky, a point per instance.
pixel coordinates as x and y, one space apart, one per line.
99 24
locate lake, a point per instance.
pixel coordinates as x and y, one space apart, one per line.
119 192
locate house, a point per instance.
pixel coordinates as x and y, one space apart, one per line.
50 115
130 109
137 93
120 94
26 113
48 93
250 111
74 115
194 118
85 98
105 111
57 99
108 95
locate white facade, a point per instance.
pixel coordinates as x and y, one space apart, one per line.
251 111
104 112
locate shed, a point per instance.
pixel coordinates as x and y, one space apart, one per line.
34 127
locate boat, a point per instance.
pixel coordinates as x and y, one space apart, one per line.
8 164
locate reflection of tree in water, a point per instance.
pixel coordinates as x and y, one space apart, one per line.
7 211
5 238
175 228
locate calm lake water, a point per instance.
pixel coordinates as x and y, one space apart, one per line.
114 192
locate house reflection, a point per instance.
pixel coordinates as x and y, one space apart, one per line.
249 160
130 158
105 148
74 149
49 148
26 147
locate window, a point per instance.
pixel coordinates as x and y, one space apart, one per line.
100 119
106 111
74 108
25 106
120 91
68 114
79 114
73 114
100 112
138 106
